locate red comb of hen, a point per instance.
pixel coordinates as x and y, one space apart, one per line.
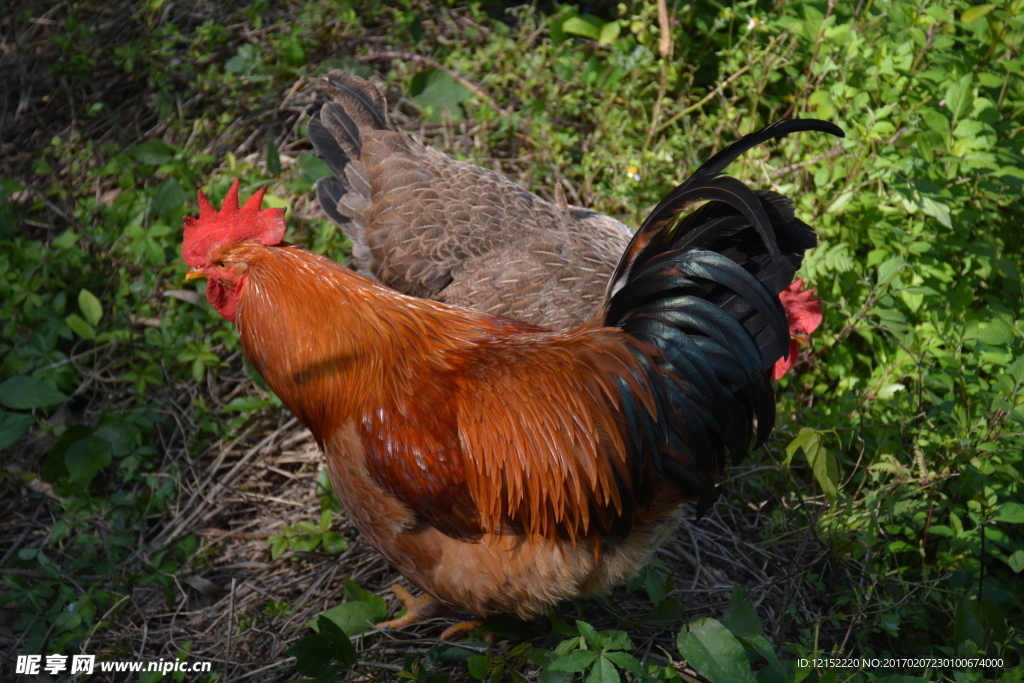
230 225
804 315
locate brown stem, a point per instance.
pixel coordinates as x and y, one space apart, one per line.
420 59
665 44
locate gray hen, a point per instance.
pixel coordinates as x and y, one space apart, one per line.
433 227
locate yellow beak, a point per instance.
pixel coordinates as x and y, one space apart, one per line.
194 274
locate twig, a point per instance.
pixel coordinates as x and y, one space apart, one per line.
24 534
53 207
704 100
665 44
291 93
420 59
99 622
381 665
838 149
231 630
35 574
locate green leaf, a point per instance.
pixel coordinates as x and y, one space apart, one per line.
806 437
981 622
887 391
1010 513
334 543
352 617
993 620
246 60
85 458
743 622
615 640
972 14
312 654
278 545
935 120
90 306
578 26
603 671
153 152
1016 561
294 52
626 661
479 667
887 270
654 583
996 333
451 654
714 652
936 210
67 239
574 662
609 33
823 462
80 327
313 168
590 635
168 200
826 470
341 646
841 201
54 467
13 426
245 404
435 90
25 392
378 607
1016 370
960 97
741 618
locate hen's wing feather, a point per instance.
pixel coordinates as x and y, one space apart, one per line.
434 227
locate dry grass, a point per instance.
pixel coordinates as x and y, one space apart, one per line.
235 495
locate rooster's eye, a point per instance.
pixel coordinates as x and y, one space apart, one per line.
222 265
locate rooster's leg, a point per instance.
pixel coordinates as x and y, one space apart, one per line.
420 608
462 626
417 608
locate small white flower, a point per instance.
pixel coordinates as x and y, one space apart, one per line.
633 173
753 22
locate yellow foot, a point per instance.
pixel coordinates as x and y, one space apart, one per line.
417 608
459 628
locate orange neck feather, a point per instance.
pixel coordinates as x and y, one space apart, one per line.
332 343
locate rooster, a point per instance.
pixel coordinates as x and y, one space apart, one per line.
500 466
430 226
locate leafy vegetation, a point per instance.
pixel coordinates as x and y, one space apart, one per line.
899 451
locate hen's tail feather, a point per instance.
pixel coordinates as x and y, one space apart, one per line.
338 128
329 192
363 102
703 291
329 149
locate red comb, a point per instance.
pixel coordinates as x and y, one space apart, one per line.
803 312
230 225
